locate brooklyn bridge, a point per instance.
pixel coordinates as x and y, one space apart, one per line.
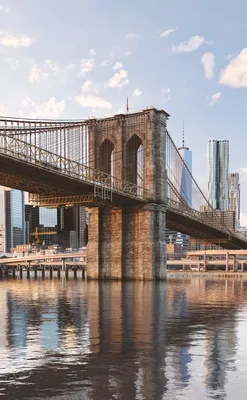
128 172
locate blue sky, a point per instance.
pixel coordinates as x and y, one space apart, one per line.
78 58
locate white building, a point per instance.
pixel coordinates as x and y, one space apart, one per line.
234 195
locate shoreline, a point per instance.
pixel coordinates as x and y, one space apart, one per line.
207 274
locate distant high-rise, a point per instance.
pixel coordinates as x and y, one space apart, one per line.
185 178
64 227
217 174
234 195
184 186
14 221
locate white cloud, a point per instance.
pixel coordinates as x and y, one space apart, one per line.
120 111
243 220
165 34
105 63
10 40
52 66
127 53
167 92
131 36
27 102
92 53
87 86
3 111
215 98
117 66
48 69
235 73
119 79
35 75
70 66
49 109
137 92
193 44
92 101
5 9
208 62
13 63
244 170
229 56
87 64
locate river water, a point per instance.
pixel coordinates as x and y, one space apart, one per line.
180 339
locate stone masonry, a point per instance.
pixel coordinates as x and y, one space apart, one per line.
129 242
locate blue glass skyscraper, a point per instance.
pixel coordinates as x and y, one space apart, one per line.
185 177
14 209
217 174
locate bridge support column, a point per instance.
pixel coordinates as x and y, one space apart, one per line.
110 244
104 259
227 262
144 249
204 262
235 264
93 244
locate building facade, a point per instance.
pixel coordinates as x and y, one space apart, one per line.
65 228
180 240
185 181
217 174
234 196
14 222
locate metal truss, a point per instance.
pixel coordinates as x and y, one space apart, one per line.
206 219
12 146
62 201
97 198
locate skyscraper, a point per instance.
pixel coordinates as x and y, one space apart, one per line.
14 223
184 187
185 181
234 195
64 227
217 174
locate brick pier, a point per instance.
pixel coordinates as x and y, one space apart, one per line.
128 242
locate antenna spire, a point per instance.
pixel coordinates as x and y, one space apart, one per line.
183 136
127 105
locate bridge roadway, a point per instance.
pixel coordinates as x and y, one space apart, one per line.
62 256
20 174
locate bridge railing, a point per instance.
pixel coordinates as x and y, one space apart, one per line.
16 148
205 218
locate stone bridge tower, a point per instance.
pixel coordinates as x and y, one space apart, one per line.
128 242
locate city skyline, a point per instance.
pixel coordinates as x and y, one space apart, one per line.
21 223
89 70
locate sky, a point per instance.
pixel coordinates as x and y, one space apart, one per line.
80 58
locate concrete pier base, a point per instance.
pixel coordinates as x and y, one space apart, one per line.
127 244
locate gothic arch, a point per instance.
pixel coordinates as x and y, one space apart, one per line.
106 157
135 160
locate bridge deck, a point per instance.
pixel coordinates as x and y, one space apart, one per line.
38 179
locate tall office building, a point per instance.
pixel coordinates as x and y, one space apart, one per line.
14 221
2 219
185 180
234 195
180 240
41 225
62 227
217 174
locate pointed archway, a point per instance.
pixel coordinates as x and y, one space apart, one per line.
135 161
107 157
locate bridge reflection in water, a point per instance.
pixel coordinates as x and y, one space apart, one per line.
103 340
